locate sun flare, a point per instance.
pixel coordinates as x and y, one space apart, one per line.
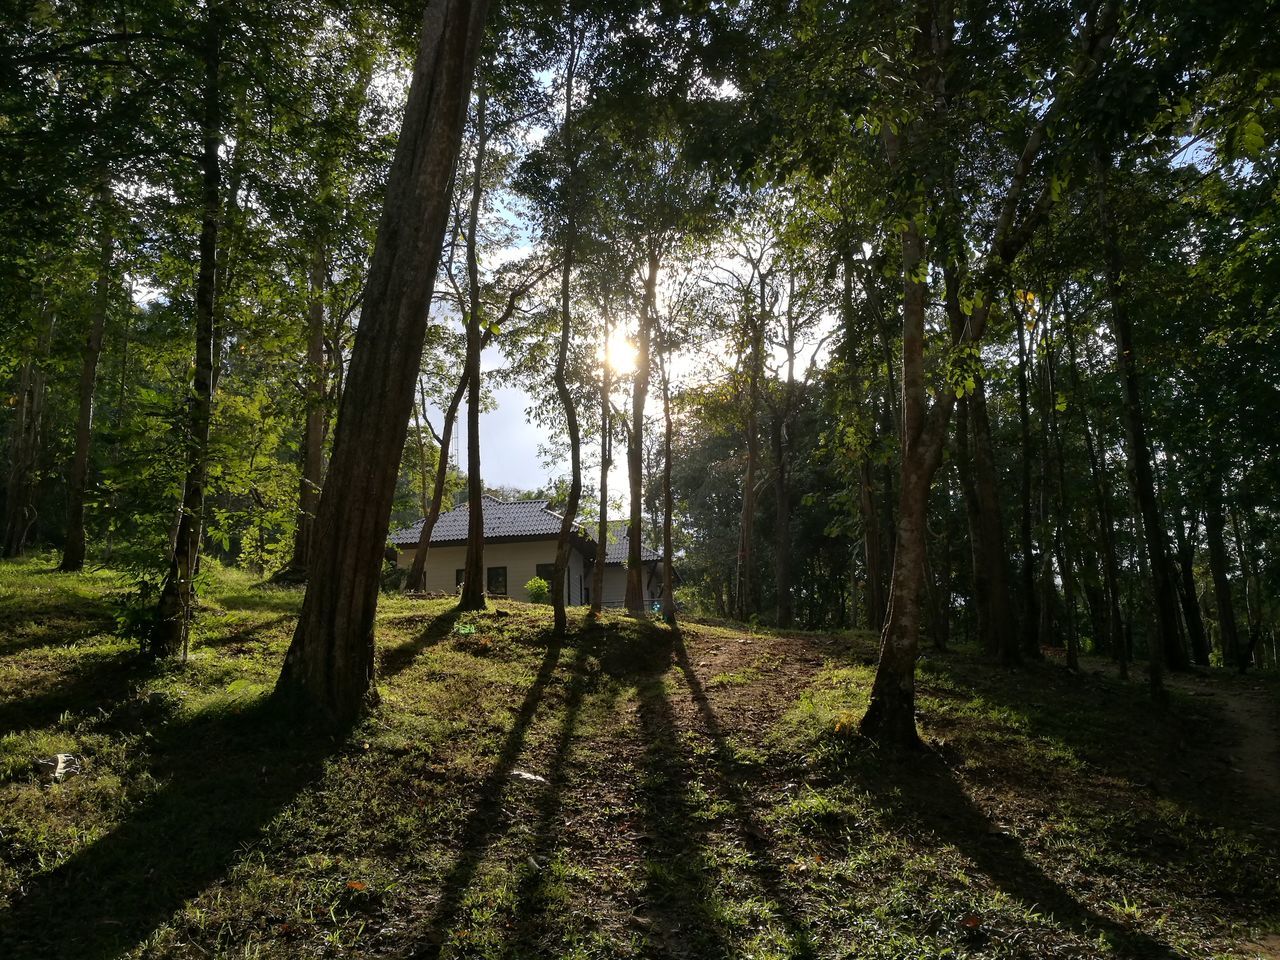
620 353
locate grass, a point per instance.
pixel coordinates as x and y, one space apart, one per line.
629 792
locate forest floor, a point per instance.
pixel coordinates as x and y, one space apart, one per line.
630 792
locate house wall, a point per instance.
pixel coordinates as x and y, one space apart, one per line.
520 558
615 584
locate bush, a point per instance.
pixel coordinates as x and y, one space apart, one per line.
539 590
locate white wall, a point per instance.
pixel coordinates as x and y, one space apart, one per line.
521 560
615 585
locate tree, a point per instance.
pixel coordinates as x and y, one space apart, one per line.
329 667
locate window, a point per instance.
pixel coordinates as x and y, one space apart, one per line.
498 581
546 571
458 576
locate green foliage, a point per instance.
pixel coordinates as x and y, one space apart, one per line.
539 590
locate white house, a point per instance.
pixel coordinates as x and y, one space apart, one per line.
519 544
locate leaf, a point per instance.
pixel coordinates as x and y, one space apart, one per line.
355 885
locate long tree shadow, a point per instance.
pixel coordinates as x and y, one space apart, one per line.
97 683
222 779
31 621
1115 727
762 862
920 794
528 922
679 896
399 658
245 634
481 827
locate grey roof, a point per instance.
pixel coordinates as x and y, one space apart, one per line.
502 518
616 550
515 518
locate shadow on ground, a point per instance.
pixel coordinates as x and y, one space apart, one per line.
220 778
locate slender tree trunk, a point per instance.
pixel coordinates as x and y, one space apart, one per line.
979 581
1253 600
782 521
1186 544
473 582
668 561
872 550
606 462
420 426
1003 642
568 523
890 716
1030 608
1064 521
24 443
168 636
635 444
1048 596
1116 641
416 580
939 579
313 430
330 664
74 549
745 594
118 415
1141 478
1147 603
1219 568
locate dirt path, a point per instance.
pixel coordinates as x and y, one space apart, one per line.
1253 717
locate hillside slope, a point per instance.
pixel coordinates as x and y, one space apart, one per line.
632 792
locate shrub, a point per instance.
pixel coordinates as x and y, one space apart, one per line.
539 590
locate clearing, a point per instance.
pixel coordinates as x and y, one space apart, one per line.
628 793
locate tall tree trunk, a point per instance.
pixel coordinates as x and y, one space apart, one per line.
74 548
1030 607
330 664
24 443
169 633
1003 640
890 716
567 524
1147 604
417 578
979 582
606 462
1064 519
1116 642
1141 478
872 550
1186 548
473 582
1048 595
313 431
782 520
668 561
635 443
1219 568
939 579
1253 599
745 594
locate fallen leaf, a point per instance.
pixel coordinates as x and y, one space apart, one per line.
355 885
